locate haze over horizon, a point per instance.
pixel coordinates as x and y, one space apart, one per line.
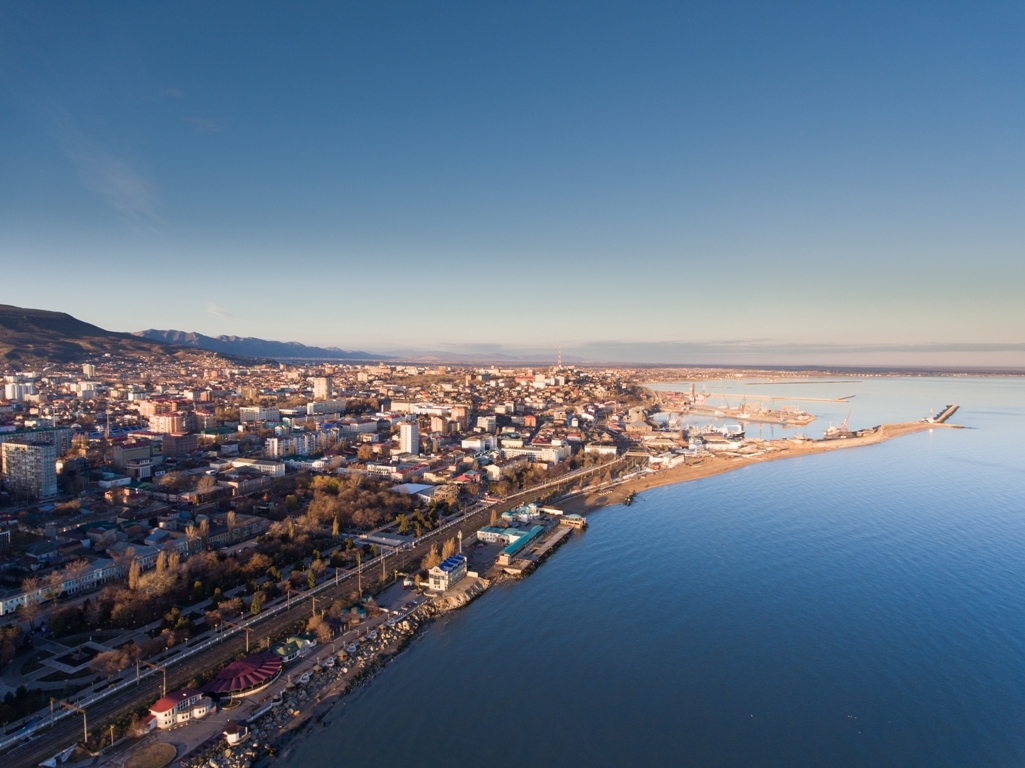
673 183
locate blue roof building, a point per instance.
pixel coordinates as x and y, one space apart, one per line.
447 573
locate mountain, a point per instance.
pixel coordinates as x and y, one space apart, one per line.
251 347
34 336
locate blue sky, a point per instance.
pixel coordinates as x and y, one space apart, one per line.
626 178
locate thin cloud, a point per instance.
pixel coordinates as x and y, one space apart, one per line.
175 93
124 187
218 311
204 125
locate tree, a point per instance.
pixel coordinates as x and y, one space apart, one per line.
134 571
431 559
191 537
257 605
448 549
231 523
311 578
403 522
335 528
10 637
320 628
53 585
109 662
206 484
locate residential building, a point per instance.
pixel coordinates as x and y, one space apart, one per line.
325 406
129 450
29 468
409 438
168 423
248 413
179 444
322 388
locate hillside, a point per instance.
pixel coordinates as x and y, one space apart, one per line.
252 347
36 336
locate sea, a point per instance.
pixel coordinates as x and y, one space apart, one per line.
864 607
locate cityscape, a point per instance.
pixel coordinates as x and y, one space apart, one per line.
575 385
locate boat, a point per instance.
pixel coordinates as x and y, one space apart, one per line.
731 431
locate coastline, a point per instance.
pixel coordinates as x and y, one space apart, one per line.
283 737
591 500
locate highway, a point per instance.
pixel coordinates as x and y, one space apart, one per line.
220 649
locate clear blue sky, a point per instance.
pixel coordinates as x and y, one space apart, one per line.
617 177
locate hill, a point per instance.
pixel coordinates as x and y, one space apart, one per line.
252 347
35 336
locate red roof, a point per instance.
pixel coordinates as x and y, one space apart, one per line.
172 700
246 673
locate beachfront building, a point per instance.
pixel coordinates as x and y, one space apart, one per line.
447 573
180 707
508 554
245 676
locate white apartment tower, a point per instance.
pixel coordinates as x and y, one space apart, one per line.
322 388
29 469
409 438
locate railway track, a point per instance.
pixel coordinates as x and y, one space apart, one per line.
46 742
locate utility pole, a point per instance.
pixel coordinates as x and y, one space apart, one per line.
152 666
359 574
245 629
336 577
85 722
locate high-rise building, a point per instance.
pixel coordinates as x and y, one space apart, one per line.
17 392
409 438
169 423
29 469
322 388
89 370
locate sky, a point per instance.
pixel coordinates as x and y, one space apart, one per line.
632 181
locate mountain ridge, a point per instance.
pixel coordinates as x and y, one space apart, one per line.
32 336
250 346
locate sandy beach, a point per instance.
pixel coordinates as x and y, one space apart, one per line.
590 500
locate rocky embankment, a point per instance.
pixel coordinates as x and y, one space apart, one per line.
271 730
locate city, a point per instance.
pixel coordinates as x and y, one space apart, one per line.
575 385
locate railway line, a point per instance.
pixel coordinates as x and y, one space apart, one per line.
45 741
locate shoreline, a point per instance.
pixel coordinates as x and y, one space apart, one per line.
588 501
290 735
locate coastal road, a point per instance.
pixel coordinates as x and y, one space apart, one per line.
47 742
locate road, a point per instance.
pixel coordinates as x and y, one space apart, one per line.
214 652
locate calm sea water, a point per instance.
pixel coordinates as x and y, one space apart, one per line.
862 608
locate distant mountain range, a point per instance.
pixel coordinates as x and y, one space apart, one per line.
251 347
37 336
